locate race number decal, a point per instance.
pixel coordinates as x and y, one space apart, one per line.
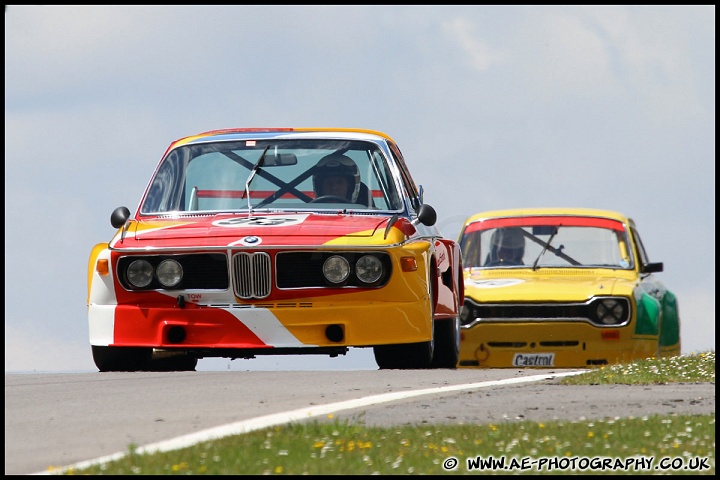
261 221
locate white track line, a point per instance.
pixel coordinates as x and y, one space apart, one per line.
265 421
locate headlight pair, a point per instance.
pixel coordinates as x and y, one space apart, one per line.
336 269
168 272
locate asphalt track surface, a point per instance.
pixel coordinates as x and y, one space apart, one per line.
54 421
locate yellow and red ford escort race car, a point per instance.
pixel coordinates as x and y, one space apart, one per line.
276 242
561 287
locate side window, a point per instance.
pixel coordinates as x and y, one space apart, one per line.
470 247
165 194
407 180
642 254
380 182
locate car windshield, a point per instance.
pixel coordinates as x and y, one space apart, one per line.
273 175
567 242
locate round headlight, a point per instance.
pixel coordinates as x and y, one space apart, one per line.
336 269
169 273
140 273
368 269
610 312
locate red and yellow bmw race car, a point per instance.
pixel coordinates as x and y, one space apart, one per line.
280 241
563 287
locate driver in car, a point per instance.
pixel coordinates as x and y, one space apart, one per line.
337 176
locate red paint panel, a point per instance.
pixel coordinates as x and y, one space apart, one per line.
566 221
205 326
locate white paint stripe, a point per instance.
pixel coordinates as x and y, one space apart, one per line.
265 421
266 326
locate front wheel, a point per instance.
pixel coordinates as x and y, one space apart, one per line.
173 362
447 343
121 359
405 356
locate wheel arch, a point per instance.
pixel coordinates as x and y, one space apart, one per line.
449 269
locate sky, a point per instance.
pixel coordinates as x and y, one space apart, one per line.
609 107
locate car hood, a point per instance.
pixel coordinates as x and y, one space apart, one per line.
551 285
276 229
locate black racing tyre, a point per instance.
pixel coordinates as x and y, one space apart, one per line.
447 343
405 356
121 359
180 362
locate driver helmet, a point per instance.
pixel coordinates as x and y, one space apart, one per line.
337 165
511 240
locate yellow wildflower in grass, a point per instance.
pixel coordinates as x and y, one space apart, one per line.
179 467
278 469
591 434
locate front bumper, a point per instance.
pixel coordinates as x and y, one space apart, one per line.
289 325
551 344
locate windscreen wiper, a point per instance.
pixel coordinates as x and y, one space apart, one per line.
545 247
254 170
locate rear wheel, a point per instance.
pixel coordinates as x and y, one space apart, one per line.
121 359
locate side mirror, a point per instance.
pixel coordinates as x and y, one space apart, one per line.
427 215
119 216
652 267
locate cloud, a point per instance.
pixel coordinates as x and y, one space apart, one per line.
479 54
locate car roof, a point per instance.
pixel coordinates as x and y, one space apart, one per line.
245 133
574 211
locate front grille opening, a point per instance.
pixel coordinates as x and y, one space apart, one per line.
601 361
507 344
566 343
252 274
538 312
